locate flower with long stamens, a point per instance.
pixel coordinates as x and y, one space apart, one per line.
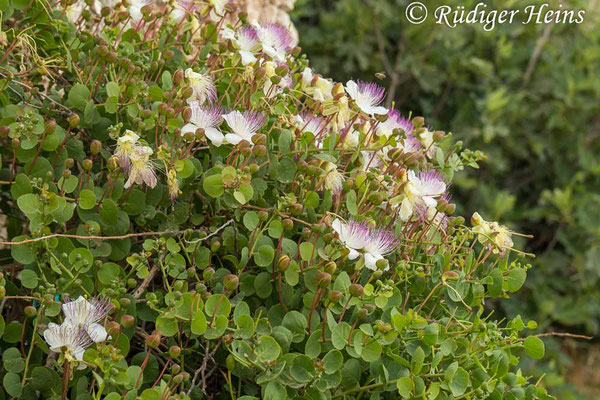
69 339
422 189
208 119
306 122
394 121
142 168
352 234
243 125
203 88
87 315
372 159
358 237
276 39
380 242
126 145
367 96
247 42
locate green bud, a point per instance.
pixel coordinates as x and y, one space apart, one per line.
230 282
356 290
284 263
174 351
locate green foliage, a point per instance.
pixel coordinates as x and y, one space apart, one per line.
523 93
254 256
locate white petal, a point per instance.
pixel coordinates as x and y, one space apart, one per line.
97 333
371 261
406 210
247 57
338 226
215 136
353 254
429 201
352 89
189 127
233 138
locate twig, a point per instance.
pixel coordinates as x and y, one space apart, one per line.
537 52
40 93
564 334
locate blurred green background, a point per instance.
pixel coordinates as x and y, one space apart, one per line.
528 95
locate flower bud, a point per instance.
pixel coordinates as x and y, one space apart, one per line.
356 290
382 264
30 311
296 51
259 138
259 150
230 362
450 209
153 341
50 126
418 122
376 198
438 136
113 163
335 296
4 131
215 245
87 164
69 162
74 120
174 351
95 146
230 282
127 321
187 92
208 274
323 279
361 313
288 224
113 328
330 267
284 263
260 72
449 275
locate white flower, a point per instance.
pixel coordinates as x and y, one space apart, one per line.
243 125
142 169
367 96
247 42
394 121
206 118
276 40
358 237
69 339
202 86
86 315
421 190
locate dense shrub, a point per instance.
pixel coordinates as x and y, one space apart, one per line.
193 213
524 94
